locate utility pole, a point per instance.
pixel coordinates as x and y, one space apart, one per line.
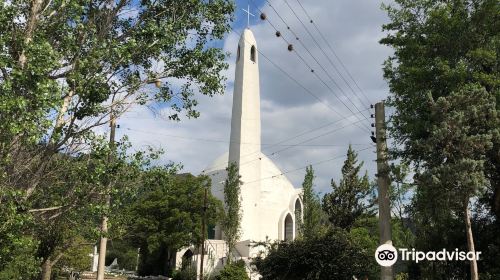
104 222
203 226
384 206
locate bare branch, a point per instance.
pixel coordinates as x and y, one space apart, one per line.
45 209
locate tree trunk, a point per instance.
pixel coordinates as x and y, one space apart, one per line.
104 223
36 6
46 269
60 116
102 245
470 242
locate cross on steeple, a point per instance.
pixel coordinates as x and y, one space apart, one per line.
248 15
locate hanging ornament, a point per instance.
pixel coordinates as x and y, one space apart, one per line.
278 34
290 47
157 83
263 16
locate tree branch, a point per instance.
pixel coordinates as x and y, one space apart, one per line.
45 209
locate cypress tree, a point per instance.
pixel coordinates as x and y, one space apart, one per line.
348 199
232 217
310 225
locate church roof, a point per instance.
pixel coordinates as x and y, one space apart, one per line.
269 169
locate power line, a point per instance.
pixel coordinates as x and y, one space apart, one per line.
319 46
225 141
279 151
300 168
312 94
322 50
302 86
315 59
333 51
296 136
310 139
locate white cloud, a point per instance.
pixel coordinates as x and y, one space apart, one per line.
353 28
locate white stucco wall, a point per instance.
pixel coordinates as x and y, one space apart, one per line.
267 197
277 199
245 128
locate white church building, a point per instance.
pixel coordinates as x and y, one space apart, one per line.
271 206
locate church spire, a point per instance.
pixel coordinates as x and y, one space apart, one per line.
244 148
245 121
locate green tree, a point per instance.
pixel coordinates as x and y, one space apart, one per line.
233 271
311 223
232 218
332 256
17 251
125 252
77 257
458 173
63 65
166 217
365 233
87 178
444 80
348 199
400 195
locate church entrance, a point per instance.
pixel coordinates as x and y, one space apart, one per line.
187 260
288 227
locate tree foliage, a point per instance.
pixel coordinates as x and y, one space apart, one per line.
444 79
63 65
124 251
311 223
348 199
441 48
167 217
332 256
232 218
233 271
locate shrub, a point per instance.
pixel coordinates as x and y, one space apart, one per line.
188 273
333 256
233 271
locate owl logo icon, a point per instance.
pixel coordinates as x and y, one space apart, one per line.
386 255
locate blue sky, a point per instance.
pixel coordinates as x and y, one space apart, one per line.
241 16
352 28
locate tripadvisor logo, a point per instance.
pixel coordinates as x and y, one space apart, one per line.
387 255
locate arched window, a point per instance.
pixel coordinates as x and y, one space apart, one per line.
288 228
187 259
298 216
253 54
238 54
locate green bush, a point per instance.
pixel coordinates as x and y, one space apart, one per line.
188 273
233 271
21 264
335 256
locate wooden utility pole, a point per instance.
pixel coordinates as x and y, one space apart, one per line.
203 226
384 206
104 222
